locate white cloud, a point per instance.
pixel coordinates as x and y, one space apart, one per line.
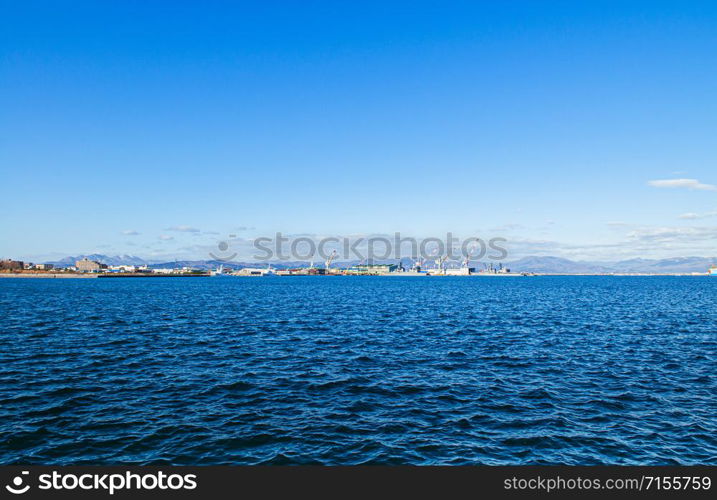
130 232
183 229
673 235
694 216
165 237
636 241
682 183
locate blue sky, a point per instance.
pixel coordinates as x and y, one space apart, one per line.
156 128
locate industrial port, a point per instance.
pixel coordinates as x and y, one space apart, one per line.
86 268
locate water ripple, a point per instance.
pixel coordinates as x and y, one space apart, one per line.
547 370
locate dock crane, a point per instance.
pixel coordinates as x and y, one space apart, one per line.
467 261
330 260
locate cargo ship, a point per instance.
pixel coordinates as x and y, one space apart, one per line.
254 271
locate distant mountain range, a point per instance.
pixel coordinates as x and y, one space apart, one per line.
117 260
658 266
556 265
133 260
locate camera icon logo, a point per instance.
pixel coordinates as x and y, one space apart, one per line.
223 247
17 488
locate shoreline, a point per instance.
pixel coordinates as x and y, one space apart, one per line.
136 275
98 276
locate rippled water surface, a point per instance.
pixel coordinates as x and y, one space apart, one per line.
352 370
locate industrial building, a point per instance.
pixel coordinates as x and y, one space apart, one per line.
89 266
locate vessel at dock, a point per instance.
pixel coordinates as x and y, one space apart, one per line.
218 272
254 271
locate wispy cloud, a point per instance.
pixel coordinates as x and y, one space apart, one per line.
673 235
183 229
694 216
165 237
683 184
130 232
645 242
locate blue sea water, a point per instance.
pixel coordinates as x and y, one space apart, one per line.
359 370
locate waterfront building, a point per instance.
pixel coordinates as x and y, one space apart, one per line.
372 269
11 265
89 266
123 269
460 271
164 270
252 271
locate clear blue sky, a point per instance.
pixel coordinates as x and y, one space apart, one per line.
540 121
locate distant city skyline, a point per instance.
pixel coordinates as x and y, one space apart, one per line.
583 131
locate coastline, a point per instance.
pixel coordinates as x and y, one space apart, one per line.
46 275
478 275
96 275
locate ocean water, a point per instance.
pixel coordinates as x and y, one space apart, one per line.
359 370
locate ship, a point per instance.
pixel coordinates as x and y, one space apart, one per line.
712 271
254 271
218 272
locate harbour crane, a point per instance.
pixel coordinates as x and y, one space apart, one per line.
330 260
469 254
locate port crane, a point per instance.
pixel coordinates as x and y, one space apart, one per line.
330 260
467 261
